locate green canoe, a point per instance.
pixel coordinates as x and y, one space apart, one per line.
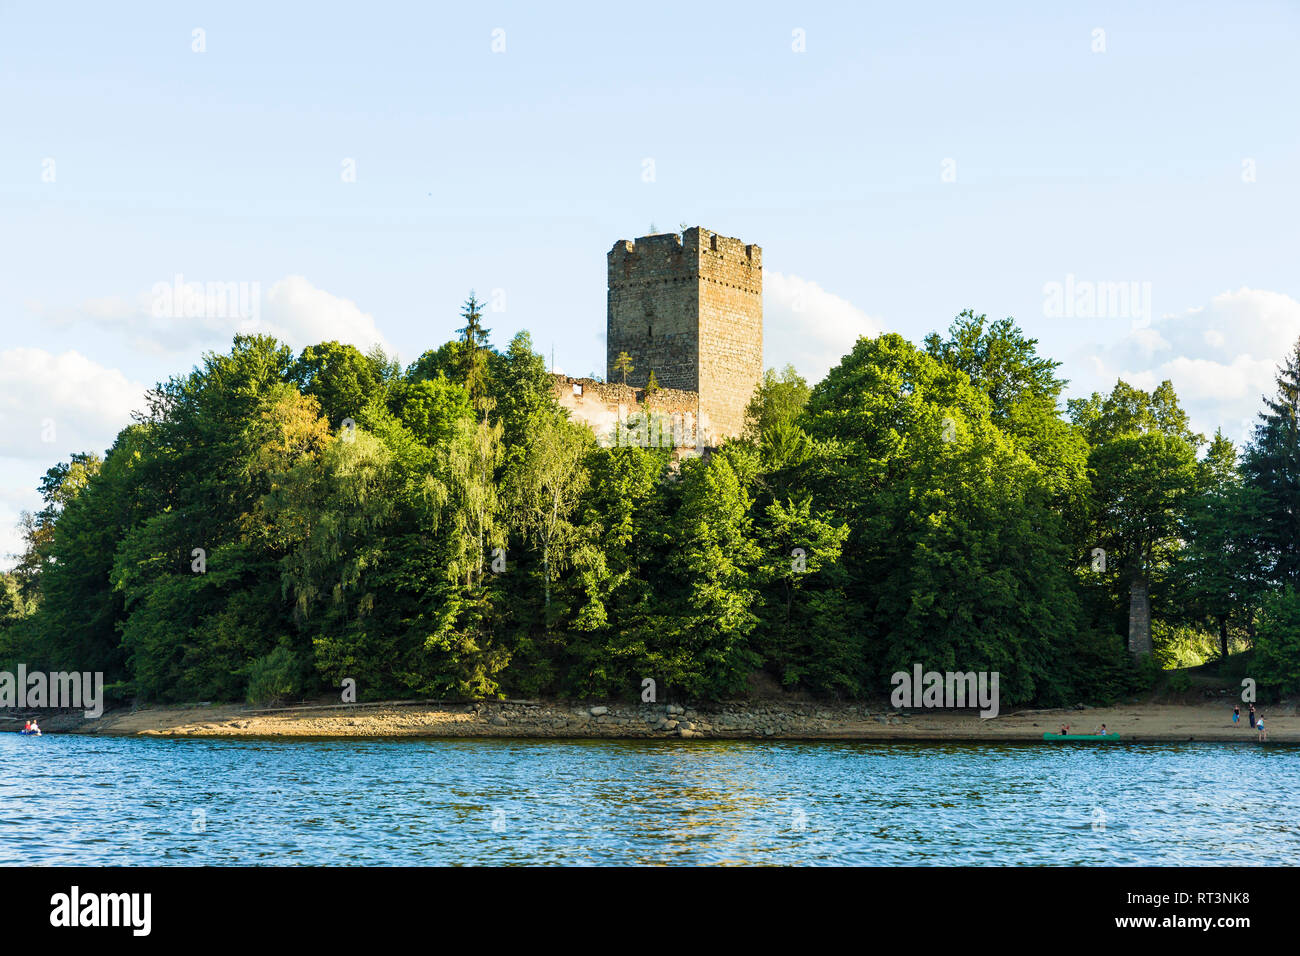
1081 736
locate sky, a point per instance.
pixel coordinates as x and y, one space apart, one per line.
1122 179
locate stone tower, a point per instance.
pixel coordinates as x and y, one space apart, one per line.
690 307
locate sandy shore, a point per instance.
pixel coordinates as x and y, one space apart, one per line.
1208 721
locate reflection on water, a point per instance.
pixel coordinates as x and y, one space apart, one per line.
96 801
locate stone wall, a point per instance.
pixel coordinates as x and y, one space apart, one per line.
690 307
652 312
617 413
731 329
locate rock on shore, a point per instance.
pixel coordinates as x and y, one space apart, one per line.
747 719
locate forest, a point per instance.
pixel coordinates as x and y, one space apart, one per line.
270 525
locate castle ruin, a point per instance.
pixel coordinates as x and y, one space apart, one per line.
689 308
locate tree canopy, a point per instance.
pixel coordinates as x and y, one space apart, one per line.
272 525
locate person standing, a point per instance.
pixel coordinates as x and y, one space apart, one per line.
1236 713
1252 715
1259 724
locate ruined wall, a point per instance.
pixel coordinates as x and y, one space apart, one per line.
619 414
690 307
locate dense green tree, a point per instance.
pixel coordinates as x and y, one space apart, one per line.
1271 467
77 624
13 607
612 641
954 556
473 352
430 408
777 401
446 360
58 486
520 390
544 488
1143 474
340 377
460 537
1219 575
1024 393
702 642
807 635
1000 360
1278 644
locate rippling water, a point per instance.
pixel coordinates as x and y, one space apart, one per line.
96 801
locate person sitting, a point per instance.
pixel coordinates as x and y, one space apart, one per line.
32 726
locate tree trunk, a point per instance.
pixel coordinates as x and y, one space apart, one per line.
1223 636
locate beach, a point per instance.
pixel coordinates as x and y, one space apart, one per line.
1208 721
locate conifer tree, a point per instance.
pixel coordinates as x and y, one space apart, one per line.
474 341
1272 468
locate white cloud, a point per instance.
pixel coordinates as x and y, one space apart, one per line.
50 407
1221 358
53 405
1148 341
301 314
807 326
157 319
11 504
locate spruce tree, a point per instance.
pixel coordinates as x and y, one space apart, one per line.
474 341
1272 468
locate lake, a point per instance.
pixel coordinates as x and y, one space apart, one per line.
78 800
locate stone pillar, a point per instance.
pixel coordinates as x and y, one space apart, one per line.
1139 620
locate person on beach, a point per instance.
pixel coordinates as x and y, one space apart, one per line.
1236 714
1259 725
1252 715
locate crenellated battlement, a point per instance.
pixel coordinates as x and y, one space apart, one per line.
695 243
670 242
710 244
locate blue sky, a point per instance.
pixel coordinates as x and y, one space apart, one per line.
912 161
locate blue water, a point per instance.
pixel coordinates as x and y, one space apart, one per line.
126 801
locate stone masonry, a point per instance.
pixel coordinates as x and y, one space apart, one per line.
622 415
689 307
